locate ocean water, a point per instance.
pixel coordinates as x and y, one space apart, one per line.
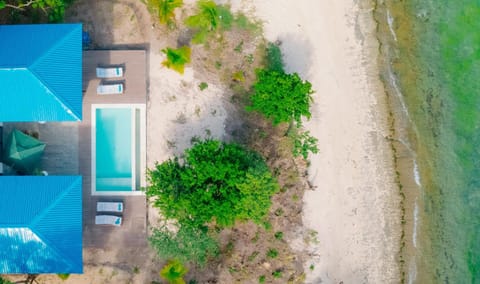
431 51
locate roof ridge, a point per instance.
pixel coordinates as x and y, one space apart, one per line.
34 222
65 105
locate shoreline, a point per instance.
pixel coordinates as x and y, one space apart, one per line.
355 169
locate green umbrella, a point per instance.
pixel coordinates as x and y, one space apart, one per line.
23 152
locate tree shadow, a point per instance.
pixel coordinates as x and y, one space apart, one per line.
297 53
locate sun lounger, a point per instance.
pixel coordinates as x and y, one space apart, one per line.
108 220
110 72
110 207
112 89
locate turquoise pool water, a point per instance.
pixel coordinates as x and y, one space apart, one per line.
113 149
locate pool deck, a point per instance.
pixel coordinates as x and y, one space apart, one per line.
134 228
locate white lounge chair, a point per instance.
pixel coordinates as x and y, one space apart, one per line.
109 72
112 89
108 220
110 207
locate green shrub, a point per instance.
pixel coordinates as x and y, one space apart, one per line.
177 58
277 274
173 272
217 181
53 10
272 253
188 244
166 10
303 143
261 279
205 21
281 97
278 235
203 86
63 276
4 281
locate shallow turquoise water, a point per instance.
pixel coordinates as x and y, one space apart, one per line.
113 149
437 62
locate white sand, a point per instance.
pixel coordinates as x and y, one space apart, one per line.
353 205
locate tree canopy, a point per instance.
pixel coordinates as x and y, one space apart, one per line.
281 97
214 181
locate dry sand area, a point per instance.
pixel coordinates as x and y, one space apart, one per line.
330 43
354 207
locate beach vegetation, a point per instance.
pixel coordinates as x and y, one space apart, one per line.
278 235
281 97
272 253
238 76
261 279
63 276
205 21
213 182
166 10
177 58
4 281
211 18
173 272
53 10
187 244
202 86
303 142
277 274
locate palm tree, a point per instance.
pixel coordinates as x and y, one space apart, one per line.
173 272
177 58
166 10
205 21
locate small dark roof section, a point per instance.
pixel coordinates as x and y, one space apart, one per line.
41 72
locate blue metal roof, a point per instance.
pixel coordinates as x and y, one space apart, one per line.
41 72
40 224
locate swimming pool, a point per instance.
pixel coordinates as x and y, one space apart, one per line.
118 156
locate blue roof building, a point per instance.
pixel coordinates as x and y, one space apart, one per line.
41 72
40 224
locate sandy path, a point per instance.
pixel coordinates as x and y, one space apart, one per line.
352 206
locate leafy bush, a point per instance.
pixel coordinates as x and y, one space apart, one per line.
272 253
54 10
274 60
4 281
206 20
211 17
203 86
177 58
261 279
303 143
166 10
217 181
63 276
279 235
277 274
188 244
173 272
281 97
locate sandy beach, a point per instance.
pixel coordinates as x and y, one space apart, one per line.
354 205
